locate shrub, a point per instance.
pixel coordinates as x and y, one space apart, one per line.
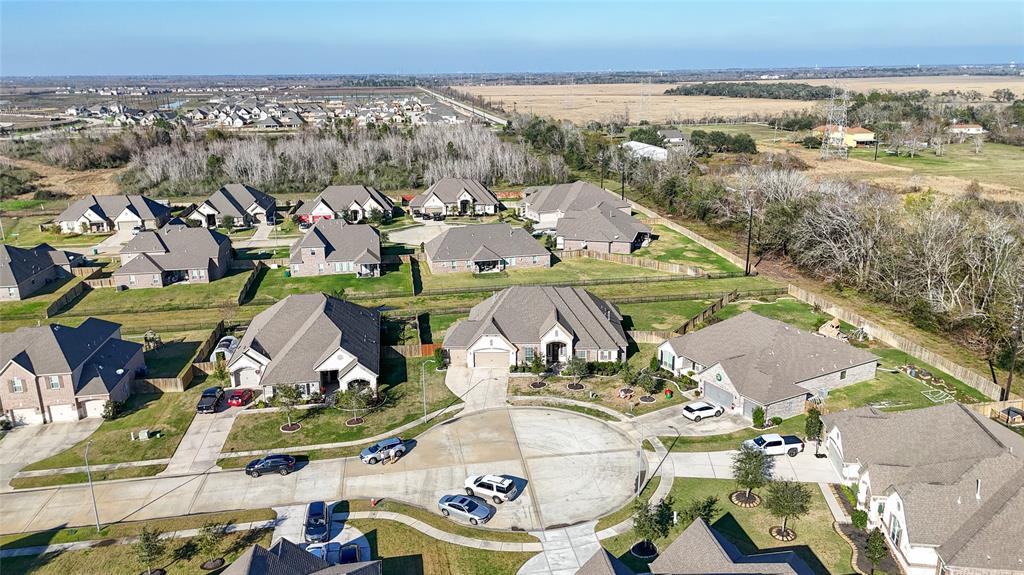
704 509
112 410
758 417
604 367
654 364
5 424
649 384
776 421
860 519
439 357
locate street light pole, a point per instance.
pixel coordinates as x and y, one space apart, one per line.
423 386
88 473
639 461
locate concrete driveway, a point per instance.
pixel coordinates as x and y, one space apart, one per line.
201 445
30 443
112 244
479 387
718 465
419 234
670 422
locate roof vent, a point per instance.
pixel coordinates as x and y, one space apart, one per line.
977 490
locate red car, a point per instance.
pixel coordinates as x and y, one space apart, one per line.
239 397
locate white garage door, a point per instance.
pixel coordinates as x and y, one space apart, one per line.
717 395
94 407
26 417
63 413
490 359
248 378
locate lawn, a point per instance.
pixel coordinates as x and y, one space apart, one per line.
996 164
440 323
400 382
438 521
34 307
727 441
25 232
406 551
824 550
177 297
35 482
177 350
261 253
672 246
563 272
663 315
791 311
274 286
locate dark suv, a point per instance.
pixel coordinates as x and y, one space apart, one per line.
210 399
283 464
315 530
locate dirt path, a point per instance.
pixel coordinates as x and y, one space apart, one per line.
101 182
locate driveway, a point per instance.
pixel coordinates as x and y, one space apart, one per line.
30 443
112 244
479 387
419 234
804 467
201 445
670 422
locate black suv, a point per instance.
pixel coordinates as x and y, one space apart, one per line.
316 522
210 399
283 464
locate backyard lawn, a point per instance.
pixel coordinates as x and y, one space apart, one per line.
791 311
400 382
565 271
24 232
996 164
662 315
274 286
176 297
672 246
35 306
824 550
440 323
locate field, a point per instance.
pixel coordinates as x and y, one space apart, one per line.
274 286
101 182
934 84
563 271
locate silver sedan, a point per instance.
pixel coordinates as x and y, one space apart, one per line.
466 508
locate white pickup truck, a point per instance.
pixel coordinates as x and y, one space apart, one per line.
775 444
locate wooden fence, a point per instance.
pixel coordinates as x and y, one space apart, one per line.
85 271
195 364
902 343
644 336
707 312
993 410
654 219
107 282
635 261
58 305
158 385
249 281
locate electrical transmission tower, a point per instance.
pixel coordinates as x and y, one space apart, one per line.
833 139
645 94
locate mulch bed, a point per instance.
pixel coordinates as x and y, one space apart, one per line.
778 533
740 499
859 538
644 550
291 428
355 421
646 399
575 387
212 564
538 385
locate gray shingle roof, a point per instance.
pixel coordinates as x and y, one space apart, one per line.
339 198
298 332
283 558
700 550
174 247
522 314
604 223
572 197
341 242
604 563
19 264
109 207
766 359
501 240
448 191
234 200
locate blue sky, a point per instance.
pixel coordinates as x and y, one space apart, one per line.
46 37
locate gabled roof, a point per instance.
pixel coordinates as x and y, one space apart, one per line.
522 314
569 198
604 563
340 241
283 558
700 550
339 198
298 332
109 207
173 247
448 190
600 224
496 240
766 359
235 200
19 264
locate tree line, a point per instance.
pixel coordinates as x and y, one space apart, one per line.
772 90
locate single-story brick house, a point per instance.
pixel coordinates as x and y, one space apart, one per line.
174 253
602 229
245 204
350 203
750 361
335 247
518 323
456 196
547 204
93 214
24 271
484 248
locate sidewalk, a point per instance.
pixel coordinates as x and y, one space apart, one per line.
94 468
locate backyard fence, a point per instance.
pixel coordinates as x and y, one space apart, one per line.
754 293
653 218
998 410
707 312
58 305
196 363
250 281
644 336
902 343
635 261
94 283
85 271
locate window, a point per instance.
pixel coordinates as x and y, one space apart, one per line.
337 266
131 280
535 259
18 385
842 374
604 355
54 382
12 292
582 354
511 261
320 268
295 269
529 353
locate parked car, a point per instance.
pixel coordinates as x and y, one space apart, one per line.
392 447
350 554
426 216
775 444
283 464
305 225
329 552
239 397
499 489
136 230
315 529
209 400
698 410
438 217
225 347
467 508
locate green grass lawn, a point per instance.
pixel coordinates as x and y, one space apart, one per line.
563 271
439 324
82 477
788 310
261 253
672 246
662 315
274 286
179 298
400 382
35 305
24 232
824 550
435 519
169 359
727 441
996 164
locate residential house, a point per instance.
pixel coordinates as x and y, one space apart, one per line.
484 248
672 136
601 229
546 204
456 196
350 203
701 550
318 343
59 373
646 151
24 271
750 361
109 213
519 323
287 558
967 130
848 136
944 484
335 247
245 204
604 563
174 253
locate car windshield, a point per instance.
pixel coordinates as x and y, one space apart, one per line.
374 448
689 409
759 441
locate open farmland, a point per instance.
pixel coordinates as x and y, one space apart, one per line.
934 84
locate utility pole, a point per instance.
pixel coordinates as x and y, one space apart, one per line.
423 386
88 473
750 238
1015 340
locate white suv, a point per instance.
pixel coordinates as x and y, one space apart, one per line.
498 488
698 410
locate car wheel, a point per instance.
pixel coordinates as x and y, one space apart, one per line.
444 512
254 474
497 500
372 461
469 492
719 413
283 471
697 419
792 452
473 521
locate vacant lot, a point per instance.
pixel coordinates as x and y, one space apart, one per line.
102 182
563 271
934 84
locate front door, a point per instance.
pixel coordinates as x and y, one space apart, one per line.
556 352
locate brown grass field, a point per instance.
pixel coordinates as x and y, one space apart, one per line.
935 84
100 182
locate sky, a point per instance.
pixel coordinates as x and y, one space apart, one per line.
235 37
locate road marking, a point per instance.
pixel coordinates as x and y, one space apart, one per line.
526 471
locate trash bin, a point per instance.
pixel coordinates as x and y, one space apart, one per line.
95 251
287 273
668 394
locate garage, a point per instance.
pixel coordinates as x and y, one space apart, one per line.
490 359
748 409
247 378
26 416
63 413
94 407
717 395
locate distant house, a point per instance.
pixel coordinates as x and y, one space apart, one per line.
848 136
546 204
24 271
602 229
174 253
108 213
967 130
315 342
351 203
672 136
700 550
484 248
60 373
287 558
451 196
245 204
646 151
555 323
750 361
335 247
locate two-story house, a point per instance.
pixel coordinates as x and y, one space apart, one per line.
174 253
335 247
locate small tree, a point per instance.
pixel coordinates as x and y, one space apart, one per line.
705 509
228 221
751 469
439 358
149 547
654 364
788 499
576 368
351 399
758 417
112 409
220 370
209 540
650 523
537 366
288 396
812 427
649 383
875 549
